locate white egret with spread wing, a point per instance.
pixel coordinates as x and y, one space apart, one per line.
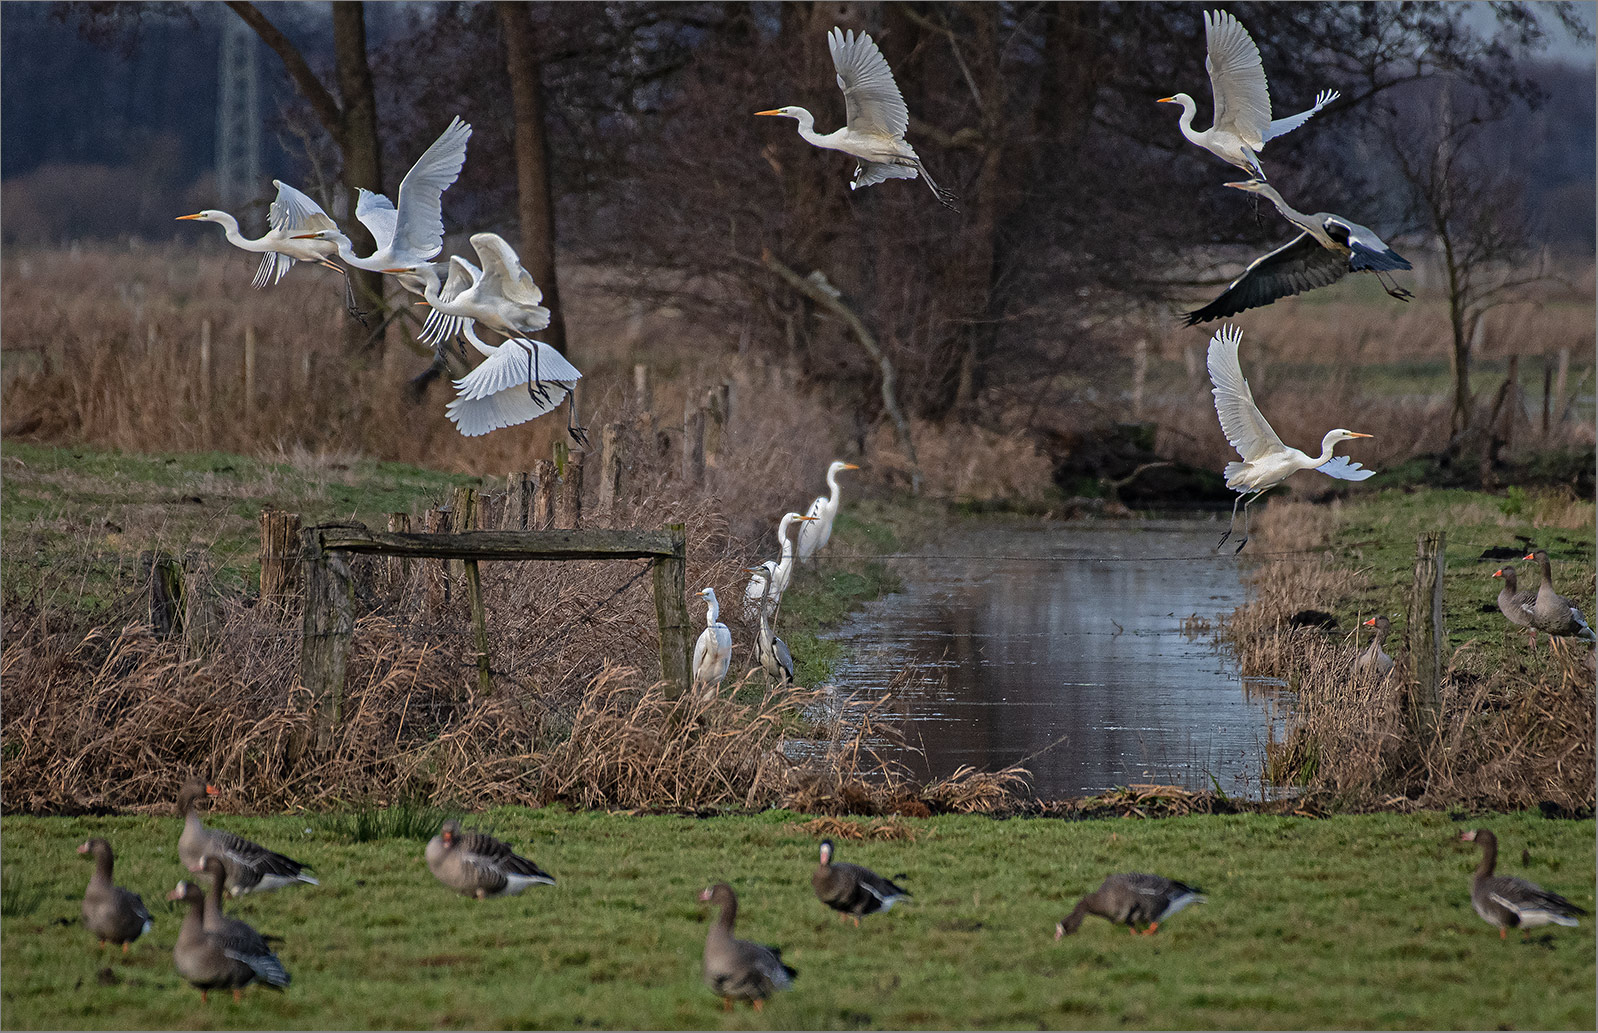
291 214
1267 462
875 117
1243 122
496 394
1330 248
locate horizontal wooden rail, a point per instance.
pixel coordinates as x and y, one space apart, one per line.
598 544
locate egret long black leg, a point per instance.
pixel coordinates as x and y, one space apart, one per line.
577 433
535 390
1247 504
1233 522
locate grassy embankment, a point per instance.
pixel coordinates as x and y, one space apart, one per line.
1348 922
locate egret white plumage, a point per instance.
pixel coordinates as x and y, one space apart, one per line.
292 213
1330 248
501 295
1243 123
875 117
814 536
1267 462
412 233
755 592
713 651
496 395
783 572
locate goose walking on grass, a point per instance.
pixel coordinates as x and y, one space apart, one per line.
1132 899
1374 661
740 969
1516 605
852 890
713 651
475 864
1267 462
230 959
813 537
1510 902
110 912
1552 613
251 867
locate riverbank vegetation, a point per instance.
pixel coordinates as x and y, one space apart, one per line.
616 942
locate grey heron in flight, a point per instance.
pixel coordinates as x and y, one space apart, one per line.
1330 248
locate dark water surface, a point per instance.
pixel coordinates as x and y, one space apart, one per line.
1023 635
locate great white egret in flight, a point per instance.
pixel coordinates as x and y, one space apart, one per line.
1243 123
495 394
1330 248
413 233
291 214
713 651
1267 462
875 117
813 536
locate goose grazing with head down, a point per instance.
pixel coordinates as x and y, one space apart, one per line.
1516 605
230 959
739 969
475 864
851 890
251 867
1132 899
1374 660
1553 613
1509 902
110 912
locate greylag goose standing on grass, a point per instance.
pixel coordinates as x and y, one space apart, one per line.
1132 899
1509 902
251 867
1374 660
1552 612
852 890
229 960
475 864
110 912
1516 605
739 969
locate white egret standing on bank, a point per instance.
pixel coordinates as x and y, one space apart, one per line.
813 537
713 651
1267 462
1242 124
755 593
783 573
875 117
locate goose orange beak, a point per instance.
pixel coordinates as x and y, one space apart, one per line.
1498 573
1529 556
1370 623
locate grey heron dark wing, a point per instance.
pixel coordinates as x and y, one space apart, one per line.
1368 251
1301 264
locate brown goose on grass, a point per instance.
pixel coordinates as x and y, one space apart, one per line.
851 890
251 867
1510 902
475 864
1132 898
228 960
1374 660
110 912
1553 613
738 968
1516 605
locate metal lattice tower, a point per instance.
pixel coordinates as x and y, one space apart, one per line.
238 116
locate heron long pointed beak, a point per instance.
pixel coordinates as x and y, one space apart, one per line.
773 111
1353 434
196 215
809 518
392 271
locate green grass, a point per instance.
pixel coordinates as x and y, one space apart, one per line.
1346 922
74 520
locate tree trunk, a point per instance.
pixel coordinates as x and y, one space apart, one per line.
363 164
535 199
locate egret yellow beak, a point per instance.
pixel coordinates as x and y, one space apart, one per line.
305 236
389 270
850 466
809 518
1166 100
429 304
196 215
1352 434
771 112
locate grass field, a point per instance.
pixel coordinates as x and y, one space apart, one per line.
1347 922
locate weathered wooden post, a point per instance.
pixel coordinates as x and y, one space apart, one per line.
570 505
249 370
693 444
611 463
280 556
671 611
398 568
1426 636
329 625
643 397
437 522
202 618
541 515
519 493
718 410
205 361
164 575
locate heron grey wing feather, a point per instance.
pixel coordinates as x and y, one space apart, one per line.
1345 469
1245 427
420 229
1299 265
1237 77
378 215
872 103
295 212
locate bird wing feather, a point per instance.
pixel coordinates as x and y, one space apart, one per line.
377 214
1345 469
420 227
503 268
1282 126
509 367
295 212
1237 76
1245 427
462 274
868 173
1301 264
871 99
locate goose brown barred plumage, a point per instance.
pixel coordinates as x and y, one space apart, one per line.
475 864
1510 902
228 960
851 890
740 969
1132 899
251 867
1515 604
1374 661
110 912
1552 613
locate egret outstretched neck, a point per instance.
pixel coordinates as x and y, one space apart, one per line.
714 613
1189 109
1328 443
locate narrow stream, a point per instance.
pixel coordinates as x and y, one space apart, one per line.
1061 647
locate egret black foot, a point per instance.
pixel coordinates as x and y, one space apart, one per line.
1240 545
579 435
1224 537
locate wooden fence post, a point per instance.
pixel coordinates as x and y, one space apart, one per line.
643 397
462 517
398 568
202 617
249 370
1426 635
671 611
437 522
718 408
693 444
611 463
520 488
164 575
280 556
329 626
541 515
570 514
